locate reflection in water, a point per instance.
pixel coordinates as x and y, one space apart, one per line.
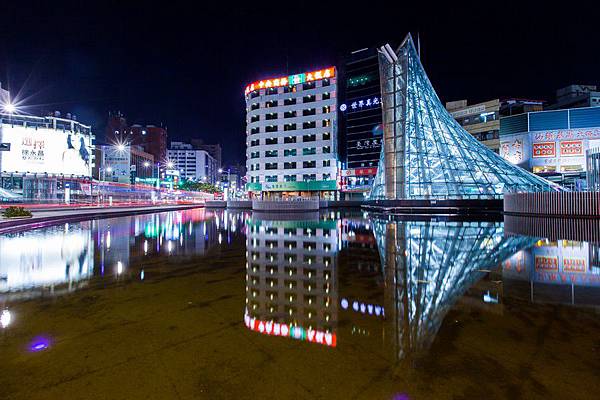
61 254
291 280
556 272
64 257
427 268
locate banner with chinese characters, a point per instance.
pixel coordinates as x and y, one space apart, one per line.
512 151
562 134
546 263
361 104
291 79
544 149
569 148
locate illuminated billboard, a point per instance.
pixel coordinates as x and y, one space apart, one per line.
45 150
291 79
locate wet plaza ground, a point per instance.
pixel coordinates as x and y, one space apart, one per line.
202 304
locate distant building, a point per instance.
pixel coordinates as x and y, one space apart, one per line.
213 149
124 164
576 96
553 143
193 163
360 120
153 139
482 120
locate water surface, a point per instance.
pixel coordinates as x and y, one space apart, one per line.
217 304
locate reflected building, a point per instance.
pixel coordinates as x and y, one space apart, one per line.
428 266
55 259
561 271
291 279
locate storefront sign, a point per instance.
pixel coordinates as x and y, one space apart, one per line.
587 133
569 148
544 149
543 263
361 104
291 331
468 111
291 79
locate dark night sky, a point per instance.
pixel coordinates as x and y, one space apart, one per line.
186 67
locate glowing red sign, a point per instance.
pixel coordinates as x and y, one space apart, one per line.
294 332
291 79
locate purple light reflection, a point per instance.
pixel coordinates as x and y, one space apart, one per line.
39 344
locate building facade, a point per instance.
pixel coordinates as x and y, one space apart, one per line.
576 96
553 143
125 164
152 138
593 169
360 122
214 150
291 135
482 120
192 163
40 157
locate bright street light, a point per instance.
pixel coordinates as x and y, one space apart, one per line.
121 147
146 164
9 108
170 164
220 170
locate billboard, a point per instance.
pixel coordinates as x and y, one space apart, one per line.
45 150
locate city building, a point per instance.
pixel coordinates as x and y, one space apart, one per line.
428 156
214 150
232 177
552 143
45 158
359 122
152 138
291 135
482 120
576 96
192 163
125 163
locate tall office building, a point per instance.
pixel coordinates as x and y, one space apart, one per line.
192 163
291 135
360 121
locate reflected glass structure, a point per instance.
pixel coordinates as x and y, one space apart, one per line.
426 153
428 266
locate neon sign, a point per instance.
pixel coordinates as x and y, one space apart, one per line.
294 332
361 104
291 80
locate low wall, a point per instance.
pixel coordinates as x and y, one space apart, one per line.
215 204
286 205
239 204
578 229
559 204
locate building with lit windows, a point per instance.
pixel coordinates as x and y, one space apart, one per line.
291 135
192 163
360 122
482 120
152 138
552 144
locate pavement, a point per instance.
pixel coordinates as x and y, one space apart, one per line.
45 217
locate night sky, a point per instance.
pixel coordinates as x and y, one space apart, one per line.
186 67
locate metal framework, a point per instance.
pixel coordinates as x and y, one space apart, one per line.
427 154
429 265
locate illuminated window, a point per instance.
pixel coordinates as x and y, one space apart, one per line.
254 143
271 91
326 135
326 122
326 96
326 177
308 85
255 106
289 114
309 138
326 149
271 116
289 102
309 111
309 125
289 139
271 128
327 163
254 131
271 178
309 99
289 127
289 165
309 164
271 103
309 151
271 165
309 177
271 153
255 118
271 141
289 152
289 178
326 109
325 82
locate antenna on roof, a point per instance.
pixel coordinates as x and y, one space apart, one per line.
419 44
